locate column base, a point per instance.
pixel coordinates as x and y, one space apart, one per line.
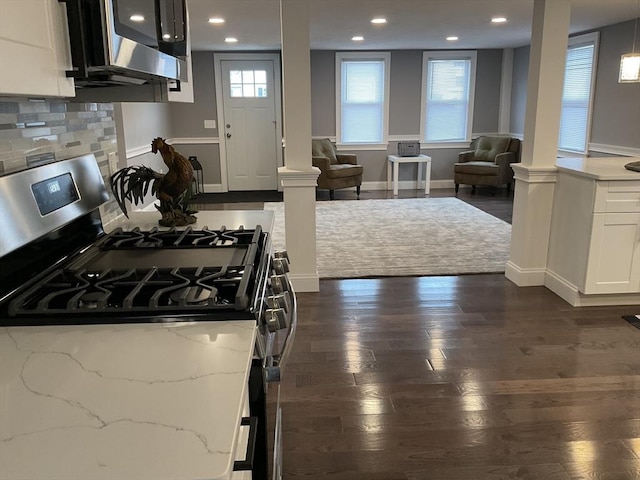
299 187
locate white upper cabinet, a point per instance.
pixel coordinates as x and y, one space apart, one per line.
34 49
183 91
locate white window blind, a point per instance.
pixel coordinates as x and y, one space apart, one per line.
362 100
448 98
576 97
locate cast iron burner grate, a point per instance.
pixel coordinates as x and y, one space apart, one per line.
155 290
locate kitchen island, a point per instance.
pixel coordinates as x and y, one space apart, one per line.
594 242
115 402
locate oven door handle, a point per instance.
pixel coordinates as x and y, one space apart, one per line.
247 463
274 372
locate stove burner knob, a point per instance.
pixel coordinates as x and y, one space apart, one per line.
276 319
282 300
279 284
280 265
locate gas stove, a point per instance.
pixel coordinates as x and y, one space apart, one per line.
58 266
156 275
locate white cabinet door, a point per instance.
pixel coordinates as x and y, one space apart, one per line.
614 257
34 49
185 92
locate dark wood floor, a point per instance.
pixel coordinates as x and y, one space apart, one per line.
465 377
461 377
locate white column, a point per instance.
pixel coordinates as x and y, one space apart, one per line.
536 175
298 176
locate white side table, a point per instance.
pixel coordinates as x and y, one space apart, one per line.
396 160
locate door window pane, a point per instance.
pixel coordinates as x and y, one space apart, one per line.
248 83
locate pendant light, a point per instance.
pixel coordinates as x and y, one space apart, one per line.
630 62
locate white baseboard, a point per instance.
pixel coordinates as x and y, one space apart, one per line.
529 277
570 293
305 282
212 188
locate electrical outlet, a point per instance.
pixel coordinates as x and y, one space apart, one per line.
209 124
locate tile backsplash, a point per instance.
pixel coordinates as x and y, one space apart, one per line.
38 131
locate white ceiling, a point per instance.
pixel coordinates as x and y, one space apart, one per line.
412 24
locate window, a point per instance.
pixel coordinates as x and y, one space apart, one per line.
577 93
448 86
362 83
248 83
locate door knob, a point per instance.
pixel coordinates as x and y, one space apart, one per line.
228 135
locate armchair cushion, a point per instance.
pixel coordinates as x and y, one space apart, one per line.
477 168
487 148
344 170
324 148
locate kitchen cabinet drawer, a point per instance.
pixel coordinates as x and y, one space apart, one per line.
617 197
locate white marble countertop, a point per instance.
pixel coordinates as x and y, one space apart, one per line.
599 168
213 219
122 402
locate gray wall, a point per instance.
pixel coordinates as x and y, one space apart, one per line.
405 92
486 109
187 119
519 89
323 93
616 107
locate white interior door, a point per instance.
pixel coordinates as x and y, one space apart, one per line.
250 126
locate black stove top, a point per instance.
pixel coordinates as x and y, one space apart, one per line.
156 275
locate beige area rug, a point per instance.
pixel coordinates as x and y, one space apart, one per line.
416 236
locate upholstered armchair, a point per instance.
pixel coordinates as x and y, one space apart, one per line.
336 170
487 162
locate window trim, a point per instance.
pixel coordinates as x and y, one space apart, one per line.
346 56
573 41
447 55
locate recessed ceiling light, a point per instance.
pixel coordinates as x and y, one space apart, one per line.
498 20
379 20
357 38
136 18
216 20
231 40
452 38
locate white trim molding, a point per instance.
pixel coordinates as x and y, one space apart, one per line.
570 293
534 174
374 147
614 150
524 277
137 151
195 140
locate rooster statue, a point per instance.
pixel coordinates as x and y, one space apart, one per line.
173 188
